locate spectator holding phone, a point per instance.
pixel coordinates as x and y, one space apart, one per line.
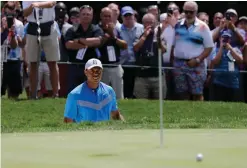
12 31
228 23
228 58
146 48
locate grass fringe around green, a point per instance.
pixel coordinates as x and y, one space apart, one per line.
47 115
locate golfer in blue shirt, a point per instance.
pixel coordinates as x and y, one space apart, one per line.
93 100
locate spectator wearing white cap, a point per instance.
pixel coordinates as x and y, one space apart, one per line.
93 100
242 24
237 35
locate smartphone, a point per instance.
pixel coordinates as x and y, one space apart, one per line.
10 20
226 39
228 16
170 11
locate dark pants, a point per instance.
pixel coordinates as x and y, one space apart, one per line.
76 76
245 86
129 82
221 93
170 95
12 79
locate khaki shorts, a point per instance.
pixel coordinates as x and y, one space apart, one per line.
49 44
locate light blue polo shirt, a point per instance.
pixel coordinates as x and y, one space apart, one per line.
86 104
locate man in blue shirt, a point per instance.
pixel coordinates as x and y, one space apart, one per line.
93 100
228 58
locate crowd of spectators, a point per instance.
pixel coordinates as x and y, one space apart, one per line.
200 64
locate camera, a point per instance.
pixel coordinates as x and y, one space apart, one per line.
228 16
10 20
226 39
170 11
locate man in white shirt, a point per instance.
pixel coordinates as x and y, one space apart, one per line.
41 15
192 45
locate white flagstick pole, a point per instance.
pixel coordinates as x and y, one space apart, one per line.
160 79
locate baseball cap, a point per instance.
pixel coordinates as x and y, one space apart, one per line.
93 63
226 34
232 11
242 18
127 10
74 11
163 16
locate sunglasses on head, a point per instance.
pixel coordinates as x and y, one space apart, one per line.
189 12
86 7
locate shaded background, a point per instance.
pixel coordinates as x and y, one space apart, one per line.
210 7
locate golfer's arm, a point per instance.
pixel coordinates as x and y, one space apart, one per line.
68 120
116 115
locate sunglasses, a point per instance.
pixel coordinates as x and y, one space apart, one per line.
189 12
86 7
127 15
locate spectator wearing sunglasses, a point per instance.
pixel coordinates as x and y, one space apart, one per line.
82 42
129 31
192 45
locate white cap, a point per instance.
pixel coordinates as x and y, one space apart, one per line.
93 63
232 11
163 16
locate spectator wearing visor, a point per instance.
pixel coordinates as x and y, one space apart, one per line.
110 52
74 14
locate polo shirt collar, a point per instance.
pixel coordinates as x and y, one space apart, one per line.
125 28
196 22
90 27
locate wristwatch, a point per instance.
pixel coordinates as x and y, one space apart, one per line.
198 60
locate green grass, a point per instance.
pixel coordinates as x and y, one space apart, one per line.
126 149
47 115
134 144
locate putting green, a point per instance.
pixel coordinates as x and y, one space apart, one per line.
126 149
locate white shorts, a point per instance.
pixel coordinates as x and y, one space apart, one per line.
50 45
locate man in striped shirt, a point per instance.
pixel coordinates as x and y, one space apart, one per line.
93 100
